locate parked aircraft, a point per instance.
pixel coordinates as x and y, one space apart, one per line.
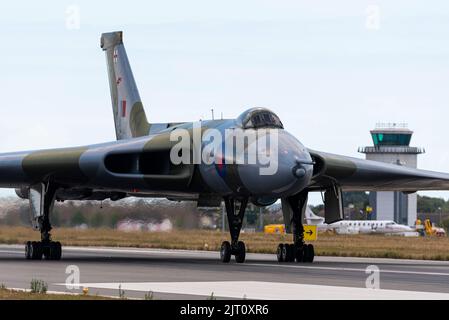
360 226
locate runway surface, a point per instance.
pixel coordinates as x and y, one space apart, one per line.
178 274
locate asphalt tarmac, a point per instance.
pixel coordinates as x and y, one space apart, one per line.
179 274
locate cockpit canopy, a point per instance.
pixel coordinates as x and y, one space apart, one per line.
259 118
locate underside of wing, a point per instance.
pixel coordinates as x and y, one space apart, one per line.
353 174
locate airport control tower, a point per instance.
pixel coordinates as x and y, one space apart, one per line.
392 145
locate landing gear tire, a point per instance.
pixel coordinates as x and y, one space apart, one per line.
28 250
56 253
299 254
287 254
306 253
53 251
241 252
284 254
225 252
235 215
44 195
46 252
279 253
291 252
33 250
310 255
293 208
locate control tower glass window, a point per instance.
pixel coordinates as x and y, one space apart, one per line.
391 139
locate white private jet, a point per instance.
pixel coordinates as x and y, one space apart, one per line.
359 226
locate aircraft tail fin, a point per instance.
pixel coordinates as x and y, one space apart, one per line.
311 218
129 115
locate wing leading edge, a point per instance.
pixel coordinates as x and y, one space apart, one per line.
353 174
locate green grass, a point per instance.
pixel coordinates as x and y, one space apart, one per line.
38 286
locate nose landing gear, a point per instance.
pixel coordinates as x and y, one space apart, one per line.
235 247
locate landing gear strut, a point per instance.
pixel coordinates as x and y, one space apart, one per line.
235 247
42 200
298 251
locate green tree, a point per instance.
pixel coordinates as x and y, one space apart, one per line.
77 219
360 200
251 215
97 220
432 205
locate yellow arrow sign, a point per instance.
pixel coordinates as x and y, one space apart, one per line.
310 233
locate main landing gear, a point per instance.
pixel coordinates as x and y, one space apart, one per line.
298 251
288 252
235 247
42 198
35 250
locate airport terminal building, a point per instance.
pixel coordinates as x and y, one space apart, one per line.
391 144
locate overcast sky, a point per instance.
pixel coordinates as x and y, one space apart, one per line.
329 69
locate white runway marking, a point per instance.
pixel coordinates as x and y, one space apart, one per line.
268 290
347 269
12 252
131 250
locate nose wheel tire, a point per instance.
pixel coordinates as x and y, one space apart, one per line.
239 251
225 252
287 253
240 254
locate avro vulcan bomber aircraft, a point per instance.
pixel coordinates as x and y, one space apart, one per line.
152 160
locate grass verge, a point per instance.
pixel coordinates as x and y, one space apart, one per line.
377 246
8 294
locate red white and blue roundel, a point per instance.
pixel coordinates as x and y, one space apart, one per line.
220 165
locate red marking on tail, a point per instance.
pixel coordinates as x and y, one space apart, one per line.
123 108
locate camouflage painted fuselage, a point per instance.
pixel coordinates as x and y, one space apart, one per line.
142 166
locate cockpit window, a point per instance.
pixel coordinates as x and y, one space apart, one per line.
264 120
260 118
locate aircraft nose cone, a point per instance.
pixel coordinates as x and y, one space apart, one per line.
292 169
